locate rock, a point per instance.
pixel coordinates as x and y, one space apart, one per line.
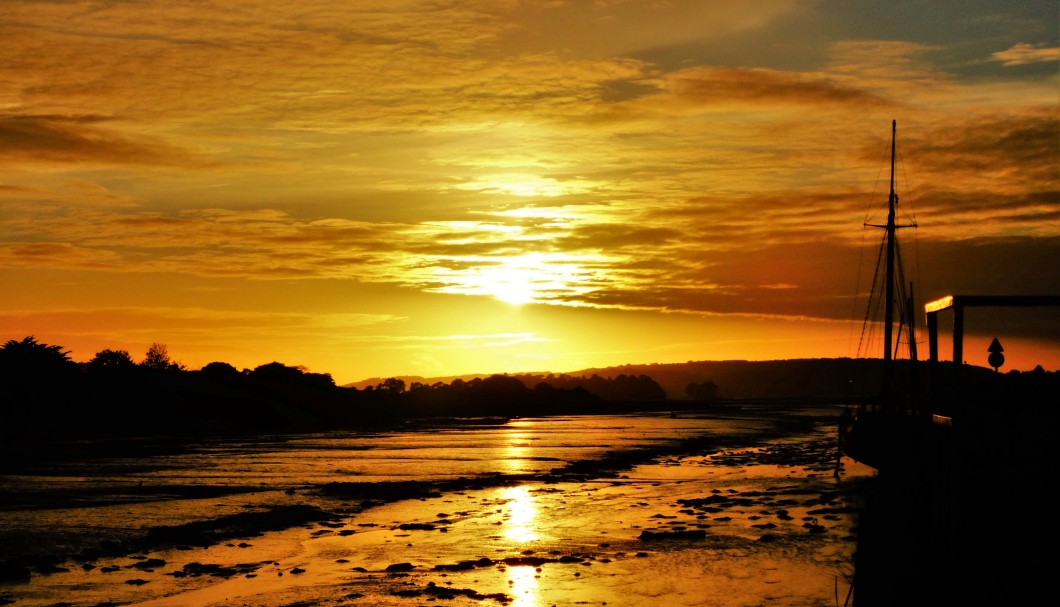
526 561
12 572
695 534
214 570
400 567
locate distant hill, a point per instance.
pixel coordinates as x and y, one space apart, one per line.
737 379
794 378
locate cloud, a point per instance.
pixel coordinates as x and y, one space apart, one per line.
57 254
712 85
1025 54
893 69
211 318
704 254
624 28
1023 147
76 139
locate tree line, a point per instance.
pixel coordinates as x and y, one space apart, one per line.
46 393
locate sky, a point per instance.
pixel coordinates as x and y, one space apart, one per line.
377 188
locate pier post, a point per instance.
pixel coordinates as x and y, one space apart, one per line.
933 355
958 337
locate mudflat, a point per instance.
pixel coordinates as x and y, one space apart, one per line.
752 514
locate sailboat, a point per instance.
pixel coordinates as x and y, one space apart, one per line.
883 432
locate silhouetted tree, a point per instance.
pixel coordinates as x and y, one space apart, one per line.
621 388
544 389
392 386
38 383
157 358
502 385
280 372
31 356
111 360
707 390
276 372
220 371
28 365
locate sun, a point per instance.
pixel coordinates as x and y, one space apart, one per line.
513 288
530 278
533 278
512 281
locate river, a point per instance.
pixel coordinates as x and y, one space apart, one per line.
733 507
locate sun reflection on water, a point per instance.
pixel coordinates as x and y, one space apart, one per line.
516 451
523 582
521 515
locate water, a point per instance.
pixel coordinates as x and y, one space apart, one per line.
62 507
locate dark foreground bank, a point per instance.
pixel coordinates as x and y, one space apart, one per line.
966 521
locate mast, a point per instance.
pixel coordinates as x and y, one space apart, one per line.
892 290
888 329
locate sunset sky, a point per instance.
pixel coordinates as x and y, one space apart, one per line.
375 188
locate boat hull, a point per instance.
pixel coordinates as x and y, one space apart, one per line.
883 440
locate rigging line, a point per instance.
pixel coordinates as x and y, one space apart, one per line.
870 210
857 289
897 342
875 338
903 315
900 297
869 313
911 217
916 262
899 273
904 302
875 299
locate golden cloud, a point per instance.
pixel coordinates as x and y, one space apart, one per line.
1023 54
76 139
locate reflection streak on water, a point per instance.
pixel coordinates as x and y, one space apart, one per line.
522 514
523 582
515 452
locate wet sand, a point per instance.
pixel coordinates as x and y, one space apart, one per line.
701 522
